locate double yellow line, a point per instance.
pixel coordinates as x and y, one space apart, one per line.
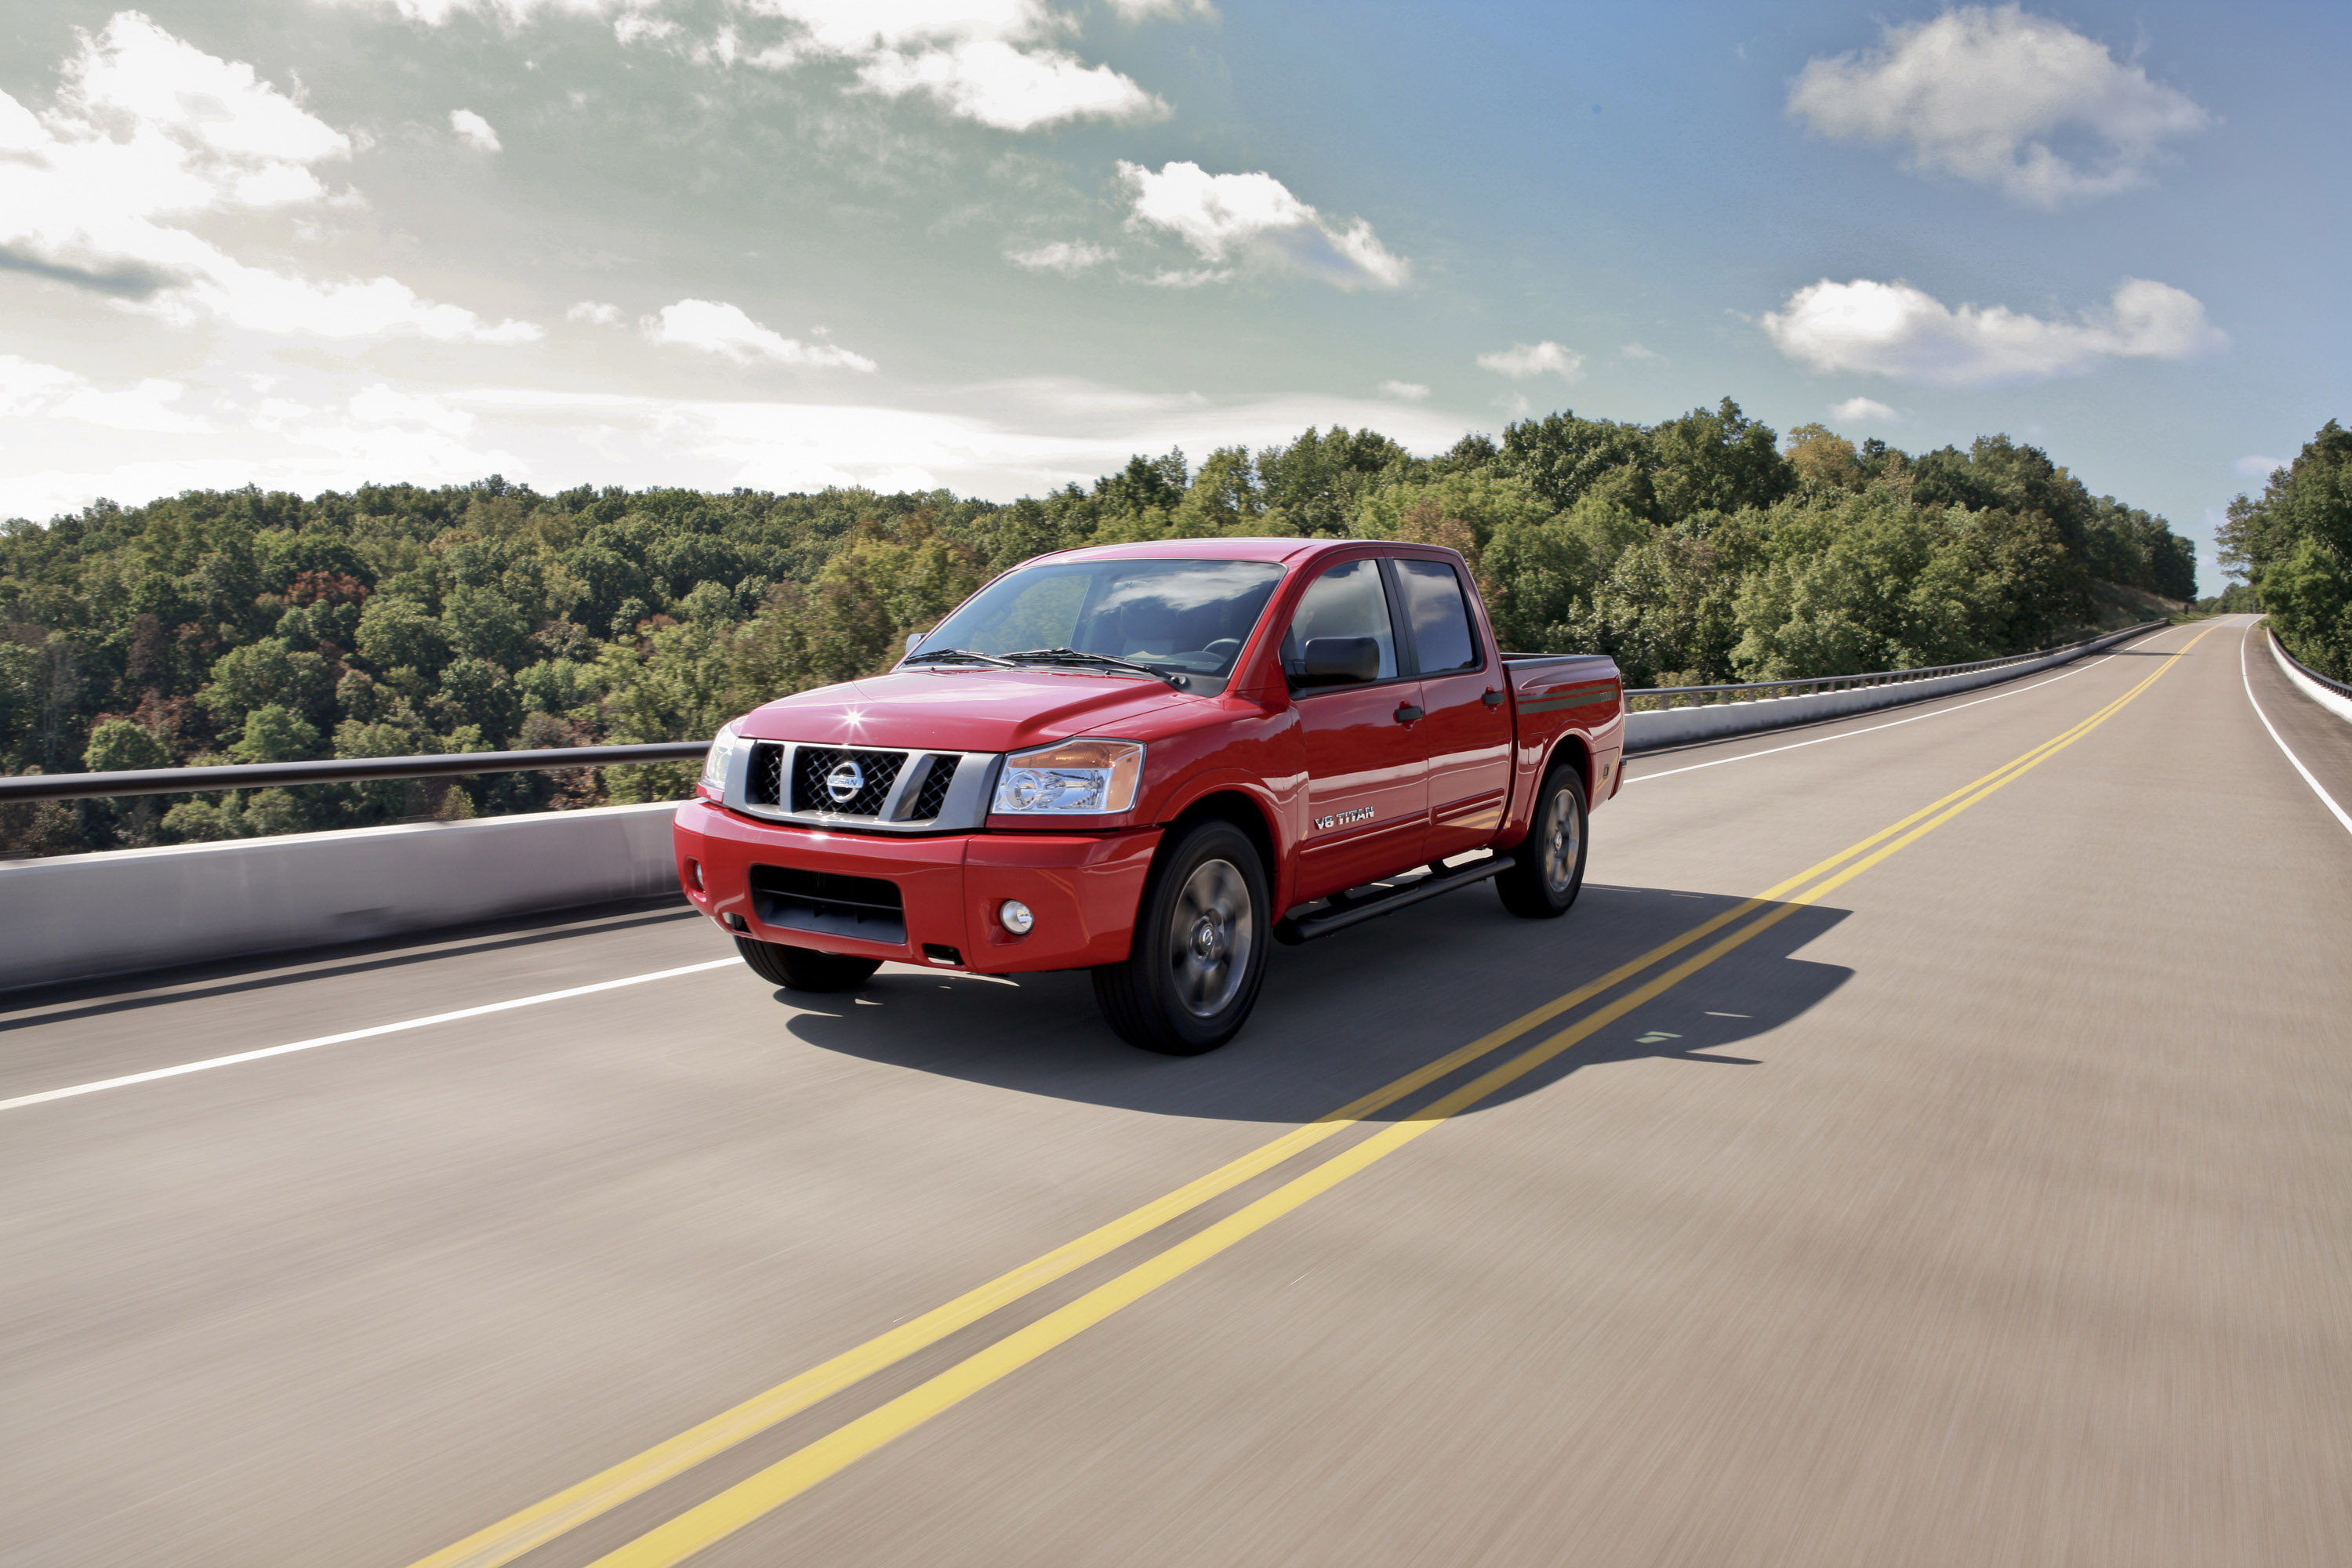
747 1501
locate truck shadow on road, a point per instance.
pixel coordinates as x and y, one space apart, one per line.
1342 1016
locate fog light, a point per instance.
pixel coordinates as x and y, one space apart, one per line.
1015 916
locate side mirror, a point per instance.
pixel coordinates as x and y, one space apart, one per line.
912 638
1339 661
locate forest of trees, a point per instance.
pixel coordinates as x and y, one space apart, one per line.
224 626
2293 546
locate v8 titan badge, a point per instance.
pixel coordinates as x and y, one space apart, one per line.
1342 819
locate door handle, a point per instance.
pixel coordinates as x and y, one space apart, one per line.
1408 714
1493 699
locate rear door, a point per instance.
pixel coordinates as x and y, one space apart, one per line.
1367 790
1465 731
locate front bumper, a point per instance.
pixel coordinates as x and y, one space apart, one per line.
1082 888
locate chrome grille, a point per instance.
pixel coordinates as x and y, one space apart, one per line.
933 795
910 791
764 785
813 766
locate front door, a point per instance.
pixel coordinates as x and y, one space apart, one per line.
1465 731
1367 792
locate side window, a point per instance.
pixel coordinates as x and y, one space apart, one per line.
1345 601
1440 619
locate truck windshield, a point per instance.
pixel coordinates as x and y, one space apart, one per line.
1183 618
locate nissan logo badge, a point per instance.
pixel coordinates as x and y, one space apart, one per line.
843 783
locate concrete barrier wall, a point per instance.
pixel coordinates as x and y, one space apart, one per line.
76 917
2335 702
1712 721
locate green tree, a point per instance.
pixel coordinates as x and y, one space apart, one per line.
397 631
276 733
1562 456
2309 597
477 692
401 618
121 745
483 624
267 672
2294 542
1717 461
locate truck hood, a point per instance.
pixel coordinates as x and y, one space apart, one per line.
962 709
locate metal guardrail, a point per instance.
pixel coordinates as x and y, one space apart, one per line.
459 765
2341 688
1659 696
339 770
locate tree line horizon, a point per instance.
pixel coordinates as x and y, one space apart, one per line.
245 625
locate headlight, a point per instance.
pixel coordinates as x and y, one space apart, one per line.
1094 777
723 747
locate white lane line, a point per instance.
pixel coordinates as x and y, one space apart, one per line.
348 1035
2245 675
1850 735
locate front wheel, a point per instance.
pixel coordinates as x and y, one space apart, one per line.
1191 978
1550 870
804 968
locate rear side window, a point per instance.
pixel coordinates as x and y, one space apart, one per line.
1441 620
1348 600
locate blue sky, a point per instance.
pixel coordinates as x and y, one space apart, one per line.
996 245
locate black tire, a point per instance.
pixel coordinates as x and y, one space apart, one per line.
804 968
1199 956
1550 870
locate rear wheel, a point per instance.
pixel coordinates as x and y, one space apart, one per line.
804 968
1199 956
1550 870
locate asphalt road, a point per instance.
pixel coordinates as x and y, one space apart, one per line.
1988 1200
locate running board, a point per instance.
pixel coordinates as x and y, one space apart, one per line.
1346 911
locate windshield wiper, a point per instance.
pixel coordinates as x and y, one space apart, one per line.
1074 656
955 656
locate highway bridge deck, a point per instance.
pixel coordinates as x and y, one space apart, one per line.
1977 1196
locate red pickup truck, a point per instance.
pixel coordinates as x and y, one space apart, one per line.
1151 761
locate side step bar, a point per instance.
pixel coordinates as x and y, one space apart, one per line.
1346 911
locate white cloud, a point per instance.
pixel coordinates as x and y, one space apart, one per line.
1034 435
1143 10
381 404
1636 352
854 27
1066 256
596 313
134 76
722 328
150 134
1896 329
280 443
1254 220
1009 87
1188 277
993 61
474 130
1988 95
1522 360
1864 411
996 440
2255 467
433 12
264 301
1407 391
29 389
